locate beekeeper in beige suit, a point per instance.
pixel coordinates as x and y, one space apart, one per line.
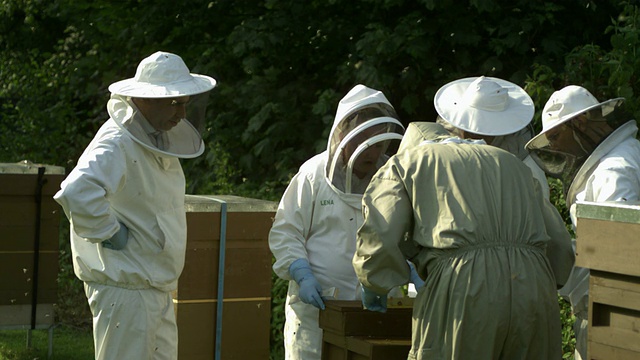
504 124
492 250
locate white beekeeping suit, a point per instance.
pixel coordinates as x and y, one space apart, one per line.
125 202
592 147
315 226
496 110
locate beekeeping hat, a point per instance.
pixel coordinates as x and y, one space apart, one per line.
359 97
562 156
163 75
484 105
364 120
158 78
569 102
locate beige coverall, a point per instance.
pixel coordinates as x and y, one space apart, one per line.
492 249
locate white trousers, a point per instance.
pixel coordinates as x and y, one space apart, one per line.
576 291
132 324
302 333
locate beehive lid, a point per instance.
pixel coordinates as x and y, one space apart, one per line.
212 203
607 237
27 167
627 212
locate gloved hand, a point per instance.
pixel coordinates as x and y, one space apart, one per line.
374 302
119 240
414 278
310 289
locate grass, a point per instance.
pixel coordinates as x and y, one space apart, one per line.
69 343
72 336
76 342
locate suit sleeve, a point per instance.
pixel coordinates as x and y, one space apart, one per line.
84 194
292 223
378 260
559 250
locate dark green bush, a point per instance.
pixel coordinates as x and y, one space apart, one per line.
282 66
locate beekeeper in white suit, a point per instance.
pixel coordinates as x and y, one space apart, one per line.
592 147
494 110
313 237
125 203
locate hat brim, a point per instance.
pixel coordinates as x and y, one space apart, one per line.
196 85
539 140
518 114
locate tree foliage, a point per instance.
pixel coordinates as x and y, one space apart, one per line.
281 66
607 70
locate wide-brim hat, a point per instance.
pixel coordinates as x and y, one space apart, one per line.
163 75
571 101
484 105
564 105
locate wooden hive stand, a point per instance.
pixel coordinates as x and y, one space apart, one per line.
29 224
223 301
353 333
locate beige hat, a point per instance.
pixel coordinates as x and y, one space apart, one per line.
484 105
163 75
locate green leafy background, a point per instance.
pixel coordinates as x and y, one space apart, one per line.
281 68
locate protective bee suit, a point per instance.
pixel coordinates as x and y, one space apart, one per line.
492 250
125 180
320 211
493 109
592 148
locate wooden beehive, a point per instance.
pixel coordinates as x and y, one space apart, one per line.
353 333
29 227
246 311
608 243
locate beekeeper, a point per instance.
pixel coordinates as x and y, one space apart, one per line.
480 232
592 147
492 109
313 237
125 202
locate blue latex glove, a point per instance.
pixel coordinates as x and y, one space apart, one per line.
414 278
310 289
119 240
374 302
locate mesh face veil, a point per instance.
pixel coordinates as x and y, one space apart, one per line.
360 144
560 151
163 106
182 140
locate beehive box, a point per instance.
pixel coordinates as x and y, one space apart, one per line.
336 347
353 333
608 243
246 310
20 191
